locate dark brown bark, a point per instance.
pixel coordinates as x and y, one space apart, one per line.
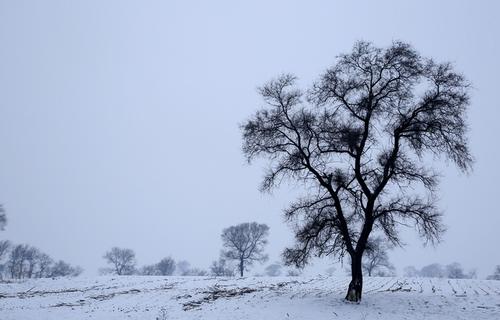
356 285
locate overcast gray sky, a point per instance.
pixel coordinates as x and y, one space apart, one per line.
119 119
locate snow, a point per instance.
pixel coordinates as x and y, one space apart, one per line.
149 297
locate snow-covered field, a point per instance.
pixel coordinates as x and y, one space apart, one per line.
248 298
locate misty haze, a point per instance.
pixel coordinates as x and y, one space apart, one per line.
249 160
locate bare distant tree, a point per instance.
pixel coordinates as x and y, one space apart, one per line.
495 275
183 267
220 268
455 271
4 249
376 259
17 263
63 269
166 266
434 270
411 271
149 270
245 243
359 140
273 270
45 263
472 274
3 217
122 261
26 261
31 254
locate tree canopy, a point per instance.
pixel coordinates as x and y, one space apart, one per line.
360 140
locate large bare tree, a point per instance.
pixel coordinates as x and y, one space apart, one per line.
361 140
245 244
122 261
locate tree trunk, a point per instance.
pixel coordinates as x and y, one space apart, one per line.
356 284
241 268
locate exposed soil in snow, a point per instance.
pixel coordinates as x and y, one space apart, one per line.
315 298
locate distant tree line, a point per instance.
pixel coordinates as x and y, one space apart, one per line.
277 269
122 262
243 244
435 270
23 261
